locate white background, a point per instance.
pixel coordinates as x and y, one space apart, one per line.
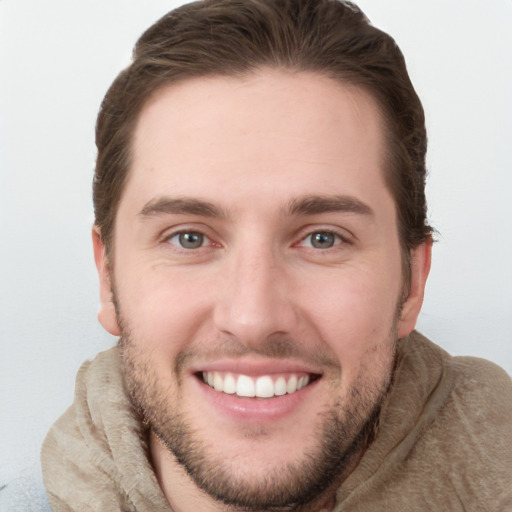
57 58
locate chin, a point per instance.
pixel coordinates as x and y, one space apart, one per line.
258 466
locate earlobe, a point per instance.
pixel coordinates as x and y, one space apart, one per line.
107 313
421 258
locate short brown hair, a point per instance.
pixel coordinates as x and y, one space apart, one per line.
234 37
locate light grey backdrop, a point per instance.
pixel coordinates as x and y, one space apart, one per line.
57 58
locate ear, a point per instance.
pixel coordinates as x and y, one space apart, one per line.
107 313
421 258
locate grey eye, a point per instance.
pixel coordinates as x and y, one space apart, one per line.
322 240
188 240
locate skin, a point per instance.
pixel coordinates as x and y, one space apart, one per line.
257 296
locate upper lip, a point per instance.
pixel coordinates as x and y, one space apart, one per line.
255 367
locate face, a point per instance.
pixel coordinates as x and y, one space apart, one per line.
258 281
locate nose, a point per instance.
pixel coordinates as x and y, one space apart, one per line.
255 298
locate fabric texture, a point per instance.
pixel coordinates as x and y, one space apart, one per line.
444 442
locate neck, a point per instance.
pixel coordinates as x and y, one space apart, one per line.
183 494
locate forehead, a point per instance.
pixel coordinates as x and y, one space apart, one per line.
280 133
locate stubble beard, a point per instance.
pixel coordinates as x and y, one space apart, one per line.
343 433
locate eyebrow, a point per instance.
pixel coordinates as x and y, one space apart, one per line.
313 205
307 205
179 205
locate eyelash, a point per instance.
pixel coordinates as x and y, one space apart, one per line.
205 238
341 239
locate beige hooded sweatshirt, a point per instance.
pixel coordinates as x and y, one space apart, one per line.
444 442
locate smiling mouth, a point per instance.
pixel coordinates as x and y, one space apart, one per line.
264 386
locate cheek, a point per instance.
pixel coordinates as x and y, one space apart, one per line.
162 311
354 313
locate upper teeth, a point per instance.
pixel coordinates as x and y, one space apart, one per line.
261 387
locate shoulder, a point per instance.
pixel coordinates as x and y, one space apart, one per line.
465 395
460 438
474 385
481 392
477 415
471 435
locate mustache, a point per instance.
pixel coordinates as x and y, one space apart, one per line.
276 346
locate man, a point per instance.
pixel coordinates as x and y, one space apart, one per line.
262 247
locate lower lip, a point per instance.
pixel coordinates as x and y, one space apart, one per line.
256 410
